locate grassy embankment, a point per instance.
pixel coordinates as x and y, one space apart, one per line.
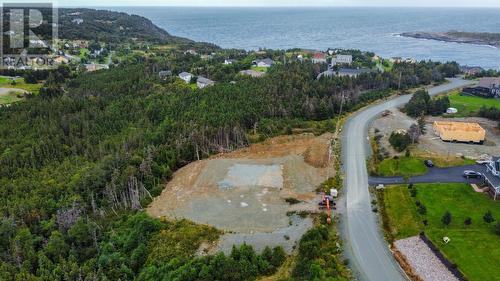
318 256
472 247
468 105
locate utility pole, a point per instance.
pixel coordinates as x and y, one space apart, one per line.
336 136
399 83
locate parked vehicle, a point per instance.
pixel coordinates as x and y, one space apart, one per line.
472 175
429 163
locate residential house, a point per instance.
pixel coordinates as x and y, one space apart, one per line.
342 59
229 61
253 73
164 74
203 82
352 72
471 70
186 76
492 177
319 58
191 52
492 84
77 21
263 63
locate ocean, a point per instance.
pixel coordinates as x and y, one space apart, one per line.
369 29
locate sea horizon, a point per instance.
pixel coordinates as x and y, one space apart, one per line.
319 28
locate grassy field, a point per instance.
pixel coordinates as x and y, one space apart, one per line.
20 84
468 105
403 166
9 98
472 247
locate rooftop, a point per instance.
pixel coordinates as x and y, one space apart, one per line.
489 82
204 80
319 56
459 126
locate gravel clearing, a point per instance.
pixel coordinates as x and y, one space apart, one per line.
423 260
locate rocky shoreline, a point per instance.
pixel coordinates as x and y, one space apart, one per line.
489 39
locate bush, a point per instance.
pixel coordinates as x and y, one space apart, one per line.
468 221
422 210
446 219
488 217
413 192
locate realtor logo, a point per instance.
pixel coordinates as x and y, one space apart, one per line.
28 35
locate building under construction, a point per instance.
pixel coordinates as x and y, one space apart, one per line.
459 132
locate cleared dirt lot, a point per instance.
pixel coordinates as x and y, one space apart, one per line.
244 192
430 144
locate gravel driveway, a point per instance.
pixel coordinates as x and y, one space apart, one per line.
423 260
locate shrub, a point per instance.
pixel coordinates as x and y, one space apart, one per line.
413 192
468 221
422 210
446 219
488 217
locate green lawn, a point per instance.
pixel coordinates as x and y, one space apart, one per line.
403 166
414 165
402 213
472 247
468 105
261 69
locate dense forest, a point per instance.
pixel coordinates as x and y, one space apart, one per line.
80 160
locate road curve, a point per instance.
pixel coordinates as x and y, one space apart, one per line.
363 239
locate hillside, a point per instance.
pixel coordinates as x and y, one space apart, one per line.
108 26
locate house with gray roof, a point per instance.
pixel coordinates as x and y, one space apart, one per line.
253 73
164 74
263 63
186 76
328 73
203 82
352 72
492 177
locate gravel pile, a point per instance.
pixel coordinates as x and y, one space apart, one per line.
423 260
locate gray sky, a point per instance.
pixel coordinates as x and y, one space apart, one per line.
218 3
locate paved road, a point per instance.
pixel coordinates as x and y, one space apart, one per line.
434 175
368 252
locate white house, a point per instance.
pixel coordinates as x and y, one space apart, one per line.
342 59
77 21
203 82
319 58
263 63
186 76
229 61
